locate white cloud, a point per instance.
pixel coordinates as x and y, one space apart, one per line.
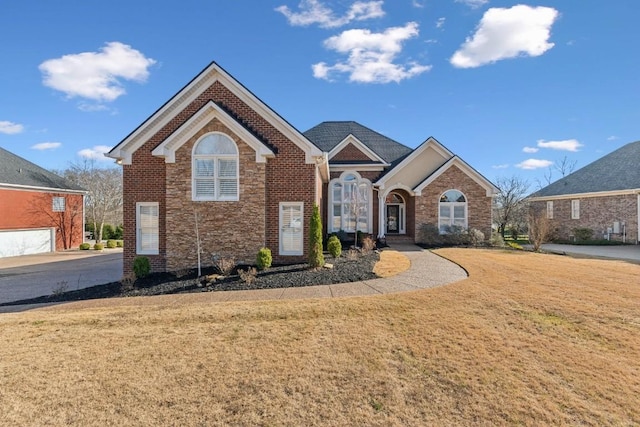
46 146
314 12
440 22
503 166
473 3
612 138
507 33
96 75
416 3
371 55
530 149
95 153
89 107
565 145
10 128
534 164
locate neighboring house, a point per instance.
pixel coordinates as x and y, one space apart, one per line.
39 210
603 196
217 164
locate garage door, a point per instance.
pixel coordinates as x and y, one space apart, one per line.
25 242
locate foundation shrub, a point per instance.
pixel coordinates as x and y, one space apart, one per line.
334 246
141 267
583 234
111 244
264 259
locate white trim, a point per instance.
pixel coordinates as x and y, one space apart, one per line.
453 206
281 227
430 142
361 167
359 180
216 169
140 251
585 195
402 215
491 189
351 139
39 189
575 209
213 73
188 129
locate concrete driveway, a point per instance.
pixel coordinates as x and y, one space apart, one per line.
31 276
624 252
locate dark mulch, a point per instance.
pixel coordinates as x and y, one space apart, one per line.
345 269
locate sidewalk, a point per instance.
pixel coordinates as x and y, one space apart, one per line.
427 270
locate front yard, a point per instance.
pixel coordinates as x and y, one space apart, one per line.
527 339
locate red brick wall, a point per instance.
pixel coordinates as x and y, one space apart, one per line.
596 213
350 153
287 175
34 209
478 204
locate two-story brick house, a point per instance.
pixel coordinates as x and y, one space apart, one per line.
215 162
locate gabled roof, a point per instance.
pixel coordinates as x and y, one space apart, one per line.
490 188
211 74
617 171
21 173
328 135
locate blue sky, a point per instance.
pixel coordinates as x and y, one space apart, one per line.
510 87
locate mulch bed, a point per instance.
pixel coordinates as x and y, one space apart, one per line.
345 269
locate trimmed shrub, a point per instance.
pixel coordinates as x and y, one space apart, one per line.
111 244
316 257
85 246
429 235
583 234
476 237
119 244
334 246
141 267
264 259
98 246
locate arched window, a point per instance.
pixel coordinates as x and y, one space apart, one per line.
452 211
350 203
215 168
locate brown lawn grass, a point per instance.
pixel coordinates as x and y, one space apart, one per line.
527 339
391 263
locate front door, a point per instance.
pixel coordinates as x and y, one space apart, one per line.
395 218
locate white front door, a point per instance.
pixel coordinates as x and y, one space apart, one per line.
291 228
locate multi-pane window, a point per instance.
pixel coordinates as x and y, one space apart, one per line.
147 231
215 168
59 204
452 211
575 209
350 204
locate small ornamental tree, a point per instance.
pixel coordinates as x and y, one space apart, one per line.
316 257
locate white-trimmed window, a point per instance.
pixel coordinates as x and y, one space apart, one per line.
291 228
452 211
215 168
147 231
550 209
350 203
58 204
575 209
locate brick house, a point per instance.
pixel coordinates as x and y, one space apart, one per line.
603 196
217 159
39 210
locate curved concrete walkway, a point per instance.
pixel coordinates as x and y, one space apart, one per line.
427 270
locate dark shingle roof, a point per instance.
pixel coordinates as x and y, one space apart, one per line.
327 135
14 170
619 170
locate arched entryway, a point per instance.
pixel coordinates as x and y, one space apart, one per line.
395 214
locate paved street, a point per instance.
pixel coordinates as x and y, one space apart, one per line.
625 252
32 276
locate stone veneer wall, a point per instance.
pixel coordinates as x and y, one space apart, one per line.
597 213
226 228
478 204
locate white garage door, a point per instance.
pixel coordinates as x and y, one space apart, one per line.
25 242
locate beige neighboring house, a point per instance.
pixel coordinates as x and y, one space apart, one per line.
603 196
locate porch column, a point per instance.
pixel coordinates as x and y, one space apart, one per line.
381 215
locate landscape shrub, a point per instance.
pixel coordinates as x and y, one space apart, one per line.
316 257
367 244
107 231
429 235
264 259
334 246
248 276
85 246
583 234
496 240
456 236
476 237
224 264
119 244
111 244
98 246
141 267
